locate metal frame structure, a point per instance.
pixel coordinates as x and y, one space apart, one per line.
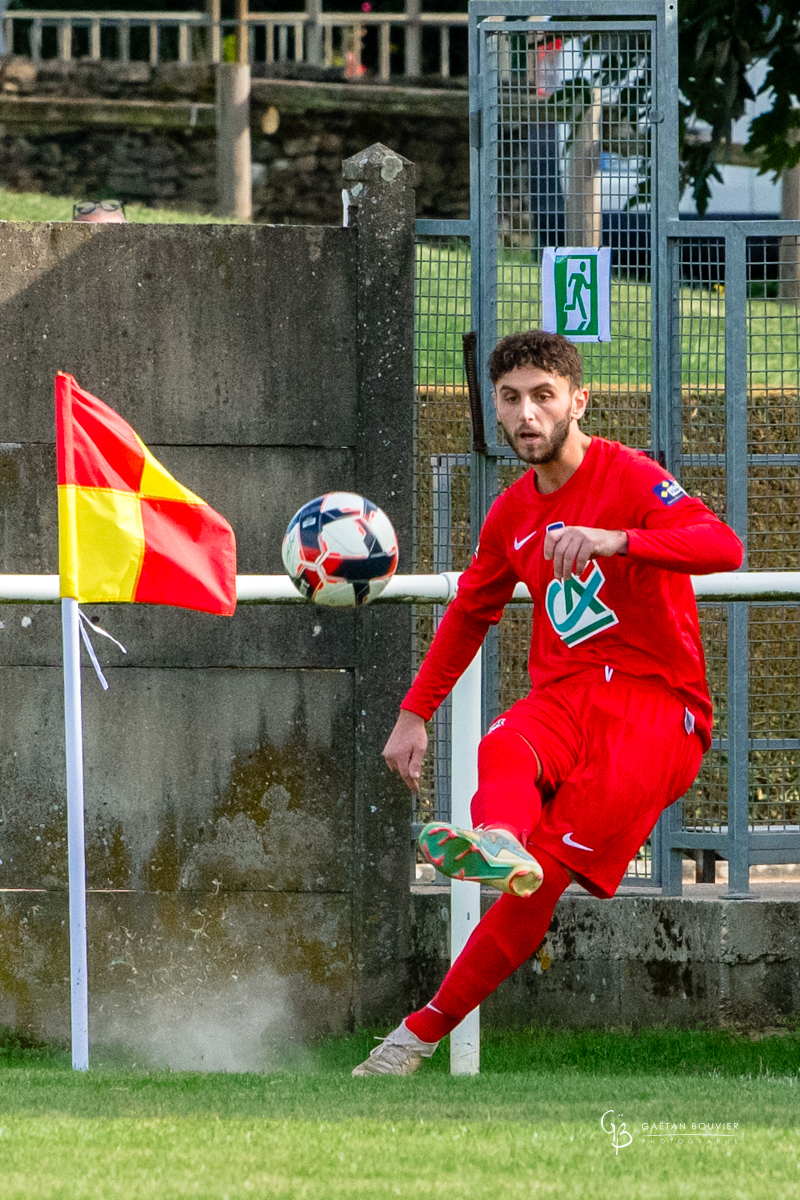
739 839
648 23
735 831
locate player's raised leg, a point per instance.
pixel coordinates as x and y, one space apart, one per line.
511 931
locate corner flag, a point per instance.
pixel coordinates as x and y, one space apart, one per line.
128 531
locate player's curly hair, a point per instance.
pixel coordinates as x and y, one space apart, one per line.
535 348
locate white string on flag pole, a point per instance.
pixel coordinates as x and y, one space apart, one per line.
84 623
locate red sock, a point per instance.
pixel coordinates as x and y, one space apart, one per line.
507 794
509 933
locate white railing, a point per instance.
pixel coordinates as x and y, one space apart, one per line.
431 589
328 39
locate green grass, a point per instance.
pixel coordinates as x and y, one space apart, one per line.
35 206
443 309
443 312
528 1125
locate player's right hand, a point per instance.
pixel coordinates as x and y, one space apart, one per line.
406 748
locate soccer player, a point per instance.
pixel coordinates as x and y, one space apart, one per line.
573 777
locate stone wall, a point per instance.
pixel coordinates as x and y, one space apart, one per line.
241 828
148 136
639 959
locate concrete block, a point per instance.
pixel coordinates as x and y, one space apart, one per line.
301 637
634 960
230 963
211 334
195 780
28 508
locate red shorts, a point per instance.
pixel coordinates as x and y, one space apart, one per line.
614 754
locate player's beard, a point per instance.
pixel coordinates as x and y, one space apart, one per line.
545 451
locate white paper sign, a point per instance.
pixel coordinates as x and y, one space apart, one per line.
576 292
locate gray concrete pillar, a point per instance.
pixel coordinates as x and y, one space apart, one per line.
314 33
381 186
413 39
234 160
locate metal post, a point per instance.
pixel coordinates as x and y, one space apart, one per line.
36 39
413 39
789 268
444 52
70 630
234 162
442 467
215 38
465 898
736 515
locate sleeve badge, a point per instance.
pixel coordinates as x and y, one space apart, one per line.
669 492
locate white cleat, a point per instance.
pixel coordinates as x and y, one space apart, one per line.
398 1054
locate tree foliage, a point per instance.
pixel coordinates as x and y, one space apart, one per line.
719 41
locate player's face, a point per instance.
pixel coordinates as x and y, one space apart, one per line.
538 412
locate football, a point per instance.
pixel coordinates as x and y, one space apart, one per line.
340 550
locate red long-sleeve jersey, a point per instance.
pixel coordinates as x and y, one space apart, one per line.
635 613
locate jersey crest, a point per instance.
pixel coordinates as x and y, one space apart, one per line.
574 609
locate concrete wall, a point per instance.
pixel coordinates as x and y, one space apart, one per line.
233 777
637 960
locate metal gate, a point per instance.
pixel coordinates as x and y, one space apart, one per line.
573 126
574 130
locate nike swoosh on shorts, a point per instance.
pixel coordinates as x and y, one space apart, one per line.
567 840
520 542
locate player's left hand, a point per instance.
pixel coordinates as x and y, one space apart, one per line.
572 547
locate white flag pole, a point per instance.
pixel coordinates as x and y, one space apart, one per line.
73 722
465 898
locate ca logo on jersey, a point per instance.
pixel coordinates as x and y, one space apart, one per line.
574 610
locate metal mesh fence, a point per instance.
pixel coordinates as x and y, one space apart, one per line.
773 494
772 671
443 538
573 154
699 406
569 114
571 163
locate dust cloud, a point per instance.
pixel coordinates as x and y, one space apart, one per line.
247 1025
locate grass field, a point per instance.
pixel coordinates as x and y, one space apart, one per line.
443 313
35 206
529 1125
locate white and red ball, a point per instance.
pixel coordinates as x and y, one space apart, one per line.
340 549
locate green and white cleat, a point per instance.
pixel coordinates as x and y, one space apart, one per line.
490 856
398 1054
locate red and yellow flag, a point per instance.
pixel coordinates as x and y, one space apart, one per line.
128 531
